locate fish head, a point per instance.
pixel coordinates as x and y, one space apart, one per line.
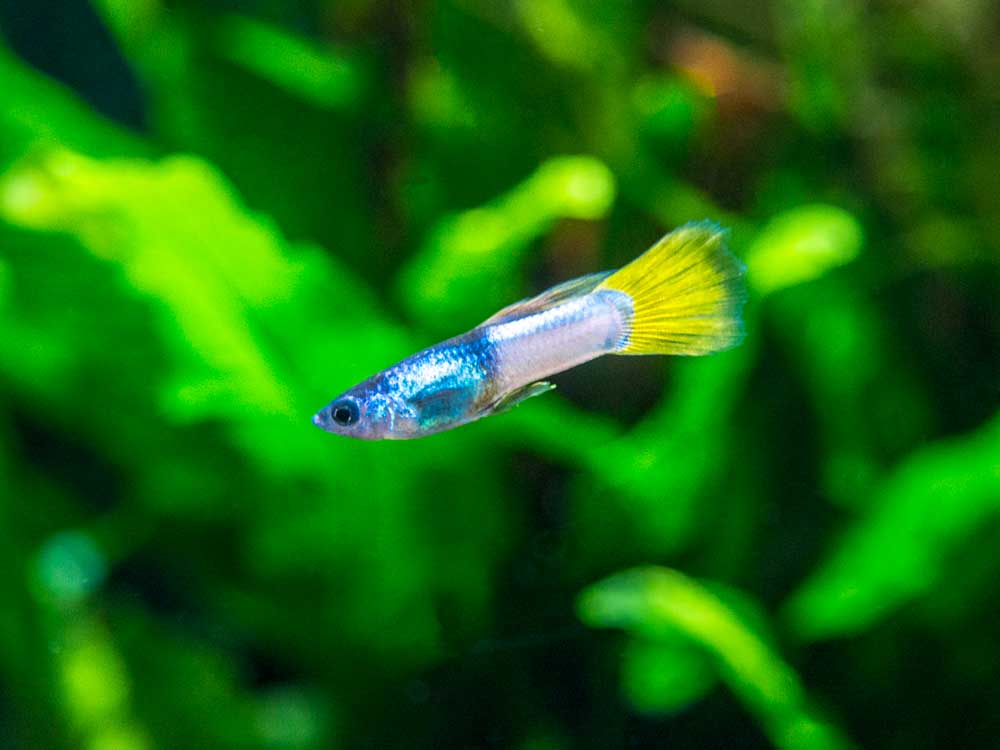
367 413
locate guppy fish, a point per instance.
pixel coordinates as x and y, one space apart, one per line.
682 296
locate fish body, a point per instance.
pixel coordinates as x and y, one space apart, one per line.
681 297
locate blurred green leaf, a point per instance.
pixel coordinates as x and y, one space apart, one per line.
826 56
670 109
562 34
291 63
870 410
293 717
664 677
670 461
922 513
96 686
69 567
467 268
131 19
67 192
37 113
658 603
194 61
167 657
437 99
800 245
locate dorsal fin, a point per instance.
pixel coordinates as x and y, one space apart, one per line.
549 298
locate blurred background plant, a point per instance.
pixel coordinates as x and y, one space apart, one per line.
216 215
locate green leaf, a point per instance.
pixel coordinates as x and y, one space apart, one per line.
660 604
139 215
921 514
36 112
314 73
562 34
664 677
468 267
800 245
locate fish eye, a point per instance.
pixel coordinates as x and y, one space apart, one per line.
344 413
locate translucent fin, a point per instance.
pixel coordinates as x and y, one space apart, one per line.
687 294
549 298
512 399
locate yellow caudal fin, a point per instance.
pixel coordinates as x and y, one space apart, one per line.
687 294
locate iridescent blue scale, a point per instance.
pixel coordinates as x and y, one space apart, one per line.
444 384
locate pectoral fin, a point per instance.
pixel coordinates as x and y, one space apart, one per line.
509 400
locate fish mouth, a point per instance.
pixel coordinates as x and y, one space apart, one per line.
318 420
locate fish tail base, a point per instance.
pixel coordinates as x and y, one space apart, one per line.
687 294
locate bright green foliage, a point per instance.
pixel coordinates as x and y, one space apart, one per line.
661 604
214 217
800 245
205 274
